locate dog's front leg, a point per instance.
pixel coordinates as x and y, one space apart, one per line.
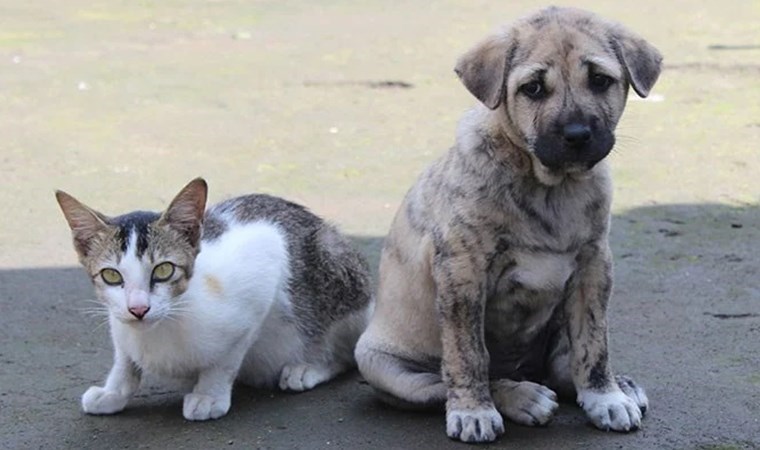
460 282
598 392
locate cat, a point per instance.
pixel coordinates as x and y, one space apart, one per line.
256 289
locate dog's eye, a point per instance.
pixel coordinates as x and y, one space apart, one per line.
534 90
600 83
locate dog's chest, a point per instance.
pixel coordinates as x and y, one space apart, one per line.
524 289
541 271
529 271
524 295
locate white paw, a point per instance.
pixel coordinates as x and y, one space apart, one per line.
611 410
301 377
526 403
474 425
633 390
97 400
204 407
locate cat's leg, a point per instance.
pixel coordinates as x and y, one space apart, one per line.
304 376
123 380
212 394
328 357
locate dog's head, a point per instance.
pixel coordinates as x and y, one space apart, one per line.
561 76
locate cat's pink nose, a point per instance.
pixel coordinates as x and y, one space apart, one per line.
139 311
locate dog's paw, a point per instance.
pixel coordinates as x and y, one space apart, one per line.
611 410
97 400
302 377
633 390
204 407
474 425
525 402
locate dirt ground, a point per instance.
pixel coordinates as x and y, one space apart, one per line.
338 105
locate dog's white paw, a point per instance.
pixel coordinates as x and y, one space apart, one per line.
474 425
97 400
204 407
633 390
525 402
302 377
610 410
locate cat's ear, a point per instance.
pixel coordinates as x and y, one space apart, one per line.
185 212
85 222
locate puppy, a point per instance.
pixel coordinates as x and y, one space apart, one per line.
496 274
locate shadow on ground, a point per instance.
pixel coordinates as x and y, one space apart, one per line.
685 322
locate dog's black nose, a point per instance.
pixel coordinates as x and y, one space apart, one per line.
576 133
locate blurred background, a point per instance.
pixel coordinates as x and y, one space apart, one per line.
339 105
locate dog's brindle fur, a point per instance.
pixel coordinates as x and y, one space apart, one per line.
497 272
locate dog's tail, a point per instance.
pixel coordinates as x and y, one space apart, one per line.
401 382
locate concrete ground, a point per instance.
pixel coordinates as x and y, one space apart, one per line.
339 105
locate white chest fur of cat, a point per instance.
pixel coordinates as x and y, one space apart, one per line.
257 290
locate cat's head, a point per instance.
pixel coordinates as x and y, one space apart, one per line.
141 262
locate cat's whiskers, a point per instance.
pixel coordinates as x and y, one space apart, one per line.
165 329
94 313
171 319
94 308
178 314
100 325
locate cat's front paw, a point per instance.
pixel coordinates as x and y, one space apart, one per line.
204 407
611 410
97 400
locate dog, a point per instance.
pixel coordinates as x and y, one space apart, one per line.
496 273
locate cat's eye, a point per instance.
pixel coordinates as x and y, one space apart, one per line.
111 277
162 272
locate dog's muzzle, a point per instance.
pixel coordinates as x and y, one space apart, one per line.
573 143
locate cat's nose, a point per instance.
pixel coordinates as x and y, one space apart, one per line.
139 311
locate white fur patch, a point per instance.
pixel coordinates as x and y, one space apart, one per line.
302 377
249 264
277 344
539 271
474 425
610 410
204 407
136 284
98 400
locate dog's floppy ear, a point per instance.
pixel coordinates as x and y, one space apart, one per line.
641 60
483 68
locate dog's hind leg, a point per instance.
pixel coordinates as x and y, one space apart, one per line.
401 382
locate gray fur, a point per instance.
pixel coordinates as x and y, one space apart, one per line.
329 278
328 284
497 263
